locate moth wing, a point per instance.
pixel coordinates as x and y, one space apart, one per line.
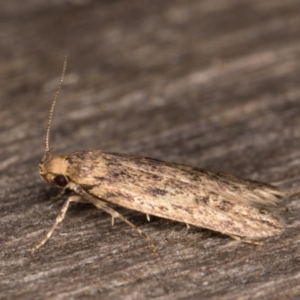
202 198
235 189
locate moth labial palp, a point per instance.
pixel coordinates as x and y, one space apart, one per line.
243 209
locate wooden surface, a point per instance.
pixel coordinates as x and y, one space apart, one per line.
213 84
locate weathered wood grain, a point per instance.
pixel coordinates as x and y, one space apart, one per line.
213 84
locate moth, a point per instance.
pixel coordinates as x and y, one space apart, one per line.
246 210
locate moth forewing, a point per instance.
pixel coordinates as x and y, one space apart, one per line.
242 209
219 202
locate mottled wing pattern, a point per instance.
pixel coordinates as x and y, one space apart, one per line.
202 198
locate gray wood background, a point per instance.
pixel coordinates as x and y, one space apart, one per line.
213 84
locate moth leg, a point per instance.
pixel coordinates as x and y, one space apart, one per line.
187 225
148 217
244 240
114 214
58 220
112 221
101 205
58 196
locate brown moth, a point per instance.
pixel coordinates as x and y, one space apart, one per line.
246 210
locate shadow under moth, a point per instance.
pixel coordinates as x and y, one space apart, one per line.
243 209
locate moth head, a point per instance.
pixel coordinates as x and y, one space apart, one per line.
53 170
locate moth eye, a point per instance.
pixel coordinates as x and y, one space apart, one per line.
60 180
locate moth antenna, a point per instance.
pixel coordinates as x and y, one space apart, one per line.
53 105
